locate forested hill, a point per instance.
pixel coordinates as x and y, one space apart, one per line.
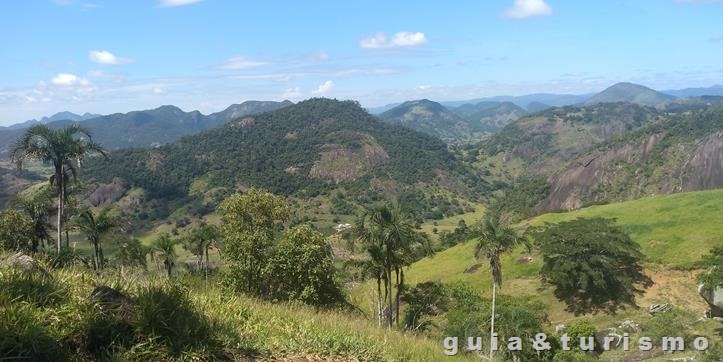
148 128
304 149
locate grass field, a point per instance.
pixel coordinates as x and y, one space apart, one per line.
673 230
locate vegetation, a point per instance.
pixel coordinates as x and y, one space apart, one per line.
164 249
713 263
16 231
495 240
60 148
593 264
94 227
672 230
301 269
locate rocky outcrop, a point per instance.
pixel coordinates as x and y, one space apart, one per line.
105 194
24 264
635 169
705 168
571 187
341 163
714 298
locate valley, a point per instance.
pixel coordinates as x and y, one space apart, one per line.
256 179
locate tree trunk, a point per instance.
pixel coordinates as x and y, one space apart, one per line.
168 268
60 216
396 299
379 298
401 289
95 256
67 238
492 324
205 267
390 300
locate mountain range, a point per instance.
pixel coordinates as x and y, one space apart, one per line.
60 116
149 128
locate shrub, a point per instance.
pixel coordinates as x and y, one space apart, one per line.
166 315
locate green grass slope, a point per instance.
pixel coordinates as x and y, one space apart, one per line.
54 319
673 230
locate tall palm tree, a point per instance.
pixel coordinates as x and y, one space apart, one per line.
165 248
64 149
390 239
94 227
495 240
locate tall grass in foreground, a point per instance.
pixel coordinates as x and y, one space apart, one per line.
53 318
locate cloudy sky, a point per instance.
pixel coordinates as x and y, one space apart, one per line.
117 56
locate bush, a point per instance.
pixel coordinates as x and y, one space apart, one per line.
671 323
166 315
37 289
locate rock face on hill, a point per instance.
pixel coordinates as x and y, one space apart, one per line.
682 154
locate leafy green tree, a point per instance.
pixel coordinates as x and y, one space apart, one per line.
391 240
469 315
131 252
495 239
94 227
250 224
16 231
424 302
592 263
164 248
65 149
37 206
301 268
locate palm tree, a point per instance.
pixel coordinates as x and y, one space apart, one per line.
390 239
495 240
94 227
165 248
61 148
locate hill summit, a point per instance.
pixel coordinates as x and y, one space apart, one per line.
632 93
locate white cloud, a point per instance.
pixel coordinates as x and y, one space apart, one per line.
106 57
240 62
69 80
324 88
292 93
528 8
401 39
173 3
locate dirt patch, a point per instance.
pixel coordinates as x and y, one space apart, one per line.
678 287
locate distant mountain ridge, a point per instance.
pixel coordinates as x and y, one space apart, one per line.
152 127
60 116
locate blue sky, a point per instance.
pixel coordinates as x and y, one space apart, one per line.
117 56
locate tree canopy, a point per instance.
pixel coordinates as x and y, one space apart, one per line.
592 263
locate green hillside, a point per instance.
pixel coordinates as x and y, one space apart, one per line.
429 117
303 150
673 230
